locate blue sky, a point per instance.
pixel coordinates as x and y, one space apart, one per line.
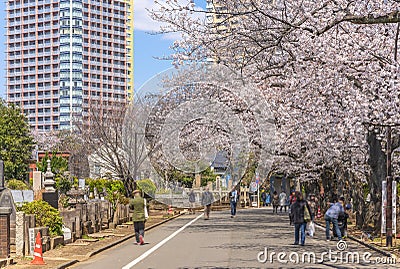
147 46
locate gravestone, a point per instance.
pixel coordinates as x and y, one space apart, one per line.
22 196
81 183
37 180
28 195
17 196
197 180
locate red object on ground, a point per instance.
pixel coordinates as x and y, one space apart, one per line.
38 253
170 210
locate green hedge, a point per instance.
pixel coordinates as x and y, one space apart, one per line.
45 215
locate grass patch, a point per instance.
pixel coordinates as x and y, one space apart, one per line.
85 236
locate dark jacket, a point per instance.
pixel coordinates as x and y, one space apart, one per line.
297 211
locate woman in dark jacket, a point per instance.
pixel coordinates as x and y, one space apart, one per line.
297 216
275 202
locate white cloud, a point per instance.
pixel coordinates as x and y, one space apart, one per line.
143 21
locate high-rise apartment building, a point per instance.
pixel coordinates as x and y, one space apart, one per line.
66 56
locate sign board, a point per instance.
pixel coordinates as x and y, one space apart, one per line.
253 187
32 240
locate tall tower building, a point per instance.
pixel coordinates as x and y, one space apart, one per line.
66 56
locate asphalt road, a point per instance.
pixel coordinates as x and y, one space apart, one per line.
224 242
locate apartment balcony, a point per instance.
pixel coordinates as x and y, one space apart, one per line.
30 106
13 74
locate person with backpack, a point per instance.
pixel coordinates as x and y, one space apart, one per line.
300 215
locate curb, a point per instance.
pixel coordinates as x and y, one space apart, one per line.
66 264
381 251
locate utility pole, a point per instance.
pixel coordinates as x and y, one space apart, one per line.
389 180
135 157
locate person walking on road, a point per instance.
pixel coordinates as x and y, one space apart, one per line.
233 199
264 197
207 199
292 200
313 205
299 213
192 200
268 199
275 202
331 216
282 201
137 204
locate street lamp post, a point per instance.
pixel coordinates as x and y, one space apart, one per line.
135 153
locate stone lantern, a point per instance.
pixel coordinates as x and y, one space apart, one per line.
50 194
49 182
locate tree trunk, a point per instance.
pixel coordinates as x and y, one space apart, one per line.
116 215
377 162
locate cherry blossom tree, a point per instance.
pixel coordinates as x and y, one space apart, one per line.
328 69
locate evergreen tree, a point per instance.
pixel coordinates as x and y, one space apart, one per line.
16 141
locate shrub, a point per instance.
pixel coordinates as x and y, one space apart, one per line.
147 186
115 193
15 184
63 184
115 189
45 215
99 183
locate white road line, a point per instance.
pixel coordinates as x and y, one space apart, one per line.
147 253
